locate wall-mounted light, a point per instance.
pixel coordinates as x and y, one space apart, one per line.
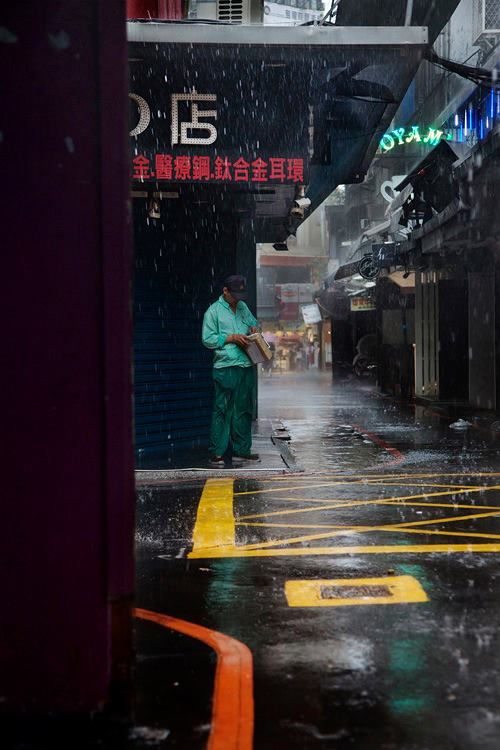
154 211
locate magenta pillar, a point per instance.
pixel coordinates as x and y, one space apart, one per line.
68 497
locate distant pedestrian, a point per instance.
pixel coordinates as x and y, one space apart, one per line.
226 326
310 355
267 366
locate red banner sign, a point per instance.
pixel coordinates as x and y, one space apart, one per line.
217 169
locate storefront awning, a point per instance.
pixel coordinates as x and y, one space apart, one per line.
434 15
257 112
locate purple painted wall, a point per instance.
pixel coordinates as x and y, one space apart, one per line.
67 512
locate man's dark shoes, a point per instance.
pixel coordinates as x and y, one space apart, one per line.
217 462
251 458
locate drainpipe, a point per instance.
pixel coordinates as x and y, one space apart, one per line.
409 12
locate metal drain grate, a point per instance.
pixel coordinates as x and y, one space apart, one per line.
353 592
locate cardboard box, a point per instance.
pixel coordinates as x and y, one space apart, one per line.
258 350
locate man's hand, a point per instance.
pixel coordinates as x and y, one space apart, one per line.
238 339
253 329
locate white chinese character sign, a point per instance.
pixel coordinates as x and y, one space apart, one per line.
208 123
256 113
181 130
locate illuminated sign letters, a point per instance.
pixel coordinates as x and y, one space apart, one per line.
182 131
144 114
412 134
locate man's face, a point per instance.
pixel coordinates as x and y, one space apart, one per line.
229 297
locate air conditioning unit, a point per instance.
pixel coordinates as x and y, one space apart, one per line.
485 20
234 11
365 223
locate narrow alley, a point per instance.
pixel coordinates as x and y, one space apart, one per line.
386 505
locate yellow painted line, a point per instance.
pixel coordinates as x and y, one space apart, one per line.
450 519
387 501
458 487
406 504
350 529
341 592
387 549
342 479
289 489
435 532
342 530
377 476
349 503
215 526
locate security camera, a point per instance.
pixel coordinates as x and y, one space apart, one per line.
300 206
302 202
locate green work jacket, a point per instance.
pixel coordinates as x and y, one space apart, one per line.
220 322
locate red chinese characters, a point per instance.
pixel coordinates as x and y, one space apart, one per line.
141 169
241 170
182 168
164 167
222 169
259 170
218 169
201 168
295 170
277 169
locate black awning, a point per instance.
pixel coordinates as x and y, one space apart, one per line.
345 271
434 15
262 111
432 179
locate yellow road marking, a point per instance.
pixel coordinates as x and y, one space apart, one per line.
343 529
435 532
350 529
214 532
450 519
344 479
376 476
340 592
457 487
215 526
388 501
361 502
290 489
386 549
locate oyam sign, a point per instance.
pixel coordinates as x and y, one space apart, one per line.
412 134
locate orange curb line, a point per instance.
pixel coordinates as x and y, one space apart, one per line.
232 702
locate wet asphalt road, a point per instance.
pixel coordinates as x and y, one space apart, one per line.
367 588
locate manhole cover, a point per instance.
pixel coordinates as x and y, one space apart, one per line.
353 592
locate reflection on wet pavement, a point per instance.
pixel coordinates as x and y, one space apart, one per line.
349 426
390 496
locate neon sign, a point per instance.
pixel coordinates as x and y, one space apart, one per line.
412 134
219 169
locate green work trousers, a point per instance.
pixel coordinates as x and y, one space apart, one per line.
233 410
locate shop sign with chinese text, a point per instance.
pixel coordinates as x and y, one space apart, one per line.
194 120
359 304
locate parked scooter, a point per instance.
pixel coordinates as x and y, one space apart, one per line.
365 361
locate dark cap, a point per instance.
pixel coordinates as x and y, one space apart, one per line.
237 285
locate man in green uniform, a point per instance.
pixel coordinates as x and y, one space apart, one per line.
226 326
